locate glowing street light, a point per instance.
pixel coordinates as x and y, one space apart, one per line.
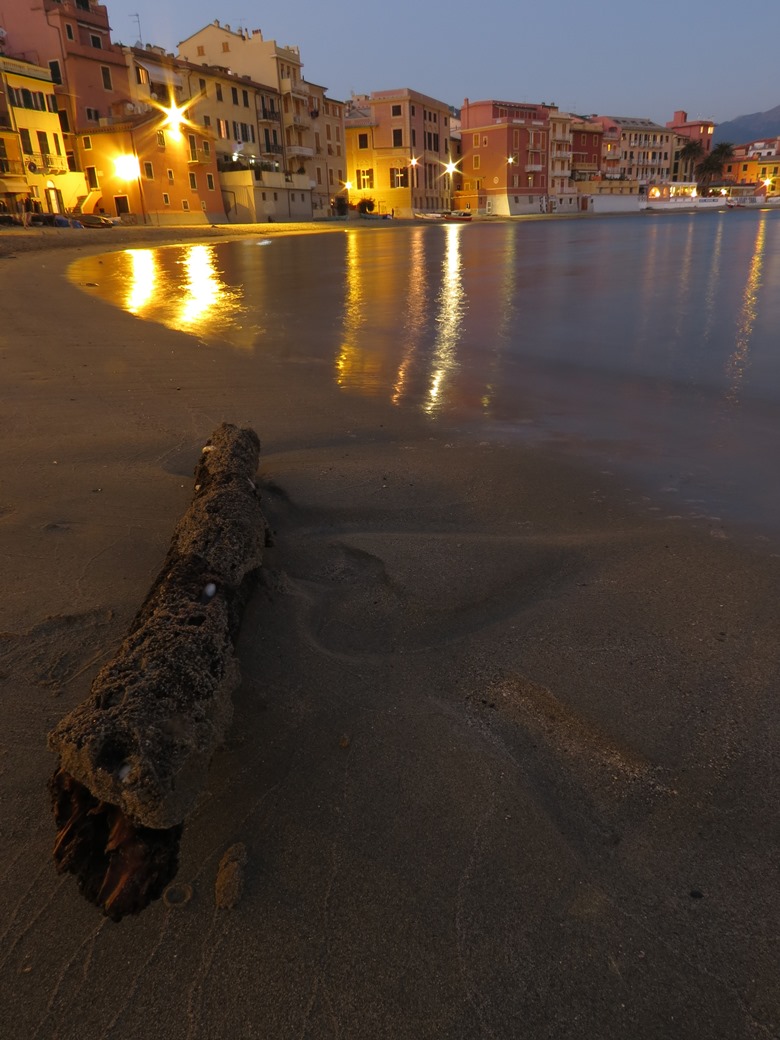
127 167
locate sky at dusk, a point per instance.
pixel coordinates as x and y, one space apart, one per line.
612 58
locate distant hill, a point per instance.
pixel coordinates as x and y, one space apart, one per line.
749 128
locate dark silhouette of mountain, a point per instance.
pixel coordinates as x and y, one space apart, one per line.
754 127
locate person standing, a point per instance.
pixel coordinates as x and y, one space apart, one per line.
28 210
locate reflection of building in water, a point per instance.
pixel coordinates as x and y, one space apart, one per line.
451 305
738 362
203 284
143 276
353 364
416 313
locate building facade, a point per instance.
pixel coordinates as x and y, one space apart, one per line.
506 152
643 151
32 145
399 152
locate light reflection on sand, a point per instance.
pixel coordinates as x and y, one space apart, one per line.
142 281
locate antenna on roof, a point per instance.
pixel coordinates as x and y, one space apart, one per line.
138 22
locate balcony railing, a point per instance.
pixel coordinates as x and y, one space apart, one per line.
43 163
15 166
273 115
299 149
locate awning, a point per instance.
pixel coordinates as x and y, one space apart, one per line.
160 73
13 186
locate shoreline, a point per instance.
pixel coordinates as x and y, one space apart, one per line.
503 754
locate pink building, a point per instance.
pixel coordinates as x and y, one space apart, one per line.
506 155
72 38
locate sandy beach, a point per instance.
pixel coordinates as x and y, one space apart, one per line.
504 753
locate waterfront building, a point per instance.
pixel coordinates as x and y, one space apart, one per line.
73 39
399 152
685 130
32 145
329 162
755 163
265 61
643 152
239 123
507 154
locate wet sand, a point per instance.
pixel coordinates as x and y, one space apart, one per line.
504 756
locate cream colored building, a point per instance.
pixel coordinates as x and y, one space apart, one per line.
302 104
400 153
562 190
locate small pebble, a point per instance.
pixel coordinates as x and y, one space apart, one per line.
229 885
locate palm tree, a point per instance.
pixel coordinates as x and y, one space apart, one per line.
711 166
690 153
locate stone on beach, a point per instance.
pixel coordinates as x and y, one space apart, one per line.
133 757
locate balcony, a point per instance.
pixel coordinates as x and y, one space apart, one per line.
295 86
534 167
43 164
299 149
301 121
585 166
272 115
12 166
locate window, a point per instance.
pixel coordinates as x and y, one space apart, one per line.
166 199
92 180
86 143
193 182
142 75
207 120
148 171
225 46
476 140
234 94
51 102
170 176
93 115
362 140
398 138
475 162
245 98
96 41
56 74
69 30
210 181
161 138
364 178
43 142
27 147
412 109
201 50
399 177
105 72
206 149
396 110
222 128
57 147
193 145
218 91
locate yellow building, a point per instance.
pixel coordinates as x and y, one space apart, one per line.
32 153
400 155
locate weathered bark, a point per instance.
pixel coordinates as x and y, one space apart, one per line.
133 756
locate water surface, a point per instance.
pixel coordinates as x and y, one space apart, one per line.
646 344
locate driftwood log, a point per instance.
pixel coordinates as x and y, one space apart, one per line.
133 756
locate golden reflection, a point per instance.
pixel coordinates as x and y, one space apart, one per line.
203 284
451 303
143 277
507 315
738 362
417 311
353 365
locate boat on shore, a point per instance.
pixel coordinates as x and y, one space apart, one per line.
458 215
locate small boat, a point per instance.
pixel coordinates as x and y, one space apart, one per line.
461 215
